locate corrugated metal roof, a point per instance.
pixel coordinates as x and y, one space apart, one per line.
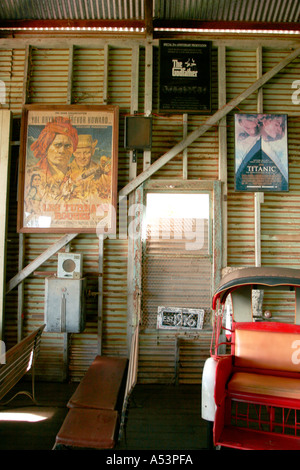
71 9
202 10
229 10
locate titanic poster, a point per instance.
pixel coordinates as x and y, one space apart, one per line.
261 152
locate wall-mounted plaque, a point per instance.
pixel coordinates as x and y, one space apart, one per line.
173 318
185 76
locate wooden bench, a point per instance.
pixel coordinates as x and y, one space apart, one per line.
95 407
18 361
257 388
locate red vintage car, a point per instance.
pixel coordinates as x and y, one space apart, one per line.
251 382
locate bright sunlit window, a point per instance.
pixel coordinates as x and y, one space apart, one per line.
162 205
178 217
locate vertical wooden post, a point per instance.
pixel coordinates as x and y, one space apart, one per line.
185 151
258 196
223 144
5 135
217 234
66 336
134 273
105 73
131 292
70 75
100 237
134 105
20 288
148 94
26 92
100 294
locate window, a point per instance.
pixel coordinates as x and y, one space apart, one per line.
177 261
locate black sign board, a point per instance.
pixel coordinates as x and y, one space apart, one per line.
185 76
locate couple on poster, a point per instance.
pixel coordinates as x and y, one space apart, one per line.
65 171
261 155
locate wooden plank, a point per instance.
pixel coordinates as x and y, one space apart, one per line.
70 75
39 261
185 152
223 144
100 295
258 197
21 287
221 113
148 98
105 76
5 132
134 105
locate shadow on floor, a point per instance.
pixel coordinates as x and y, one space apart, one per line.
160 417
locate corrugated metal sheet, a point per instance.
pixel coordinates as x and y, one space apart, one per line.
48 76
50 364
240 73
280 215
277 93
88 76
279 210
74 9
228 10
48 84
173 276
164 358
216 10
12 72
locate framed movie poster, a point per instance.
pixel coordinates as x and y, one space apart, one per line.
68 169
261 152
185 76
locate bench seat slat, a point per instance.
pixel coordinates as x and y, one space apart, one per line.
87 428
100 387
274 386
19 360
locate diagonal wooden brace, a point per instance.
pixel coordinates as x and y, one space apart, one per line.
39 261
211 121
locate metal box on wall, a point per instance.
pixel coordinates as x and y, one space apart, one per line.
64 305
69 265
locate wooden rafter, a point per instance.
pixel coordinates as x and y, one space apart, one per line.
30 268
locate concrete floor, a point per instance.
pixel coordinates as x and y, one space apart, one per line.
160 417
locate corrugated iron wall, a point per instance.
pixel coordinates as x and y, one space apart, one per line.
173 276
279 211
49 77
48 83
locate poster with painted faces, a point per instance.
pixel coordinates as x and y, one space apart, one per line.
261 152
69 168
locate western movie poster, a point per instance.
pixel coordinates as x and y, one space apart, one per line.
261 152
68 172
185 76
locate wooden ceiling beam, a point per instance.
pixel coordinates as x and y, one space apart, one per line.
148 8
